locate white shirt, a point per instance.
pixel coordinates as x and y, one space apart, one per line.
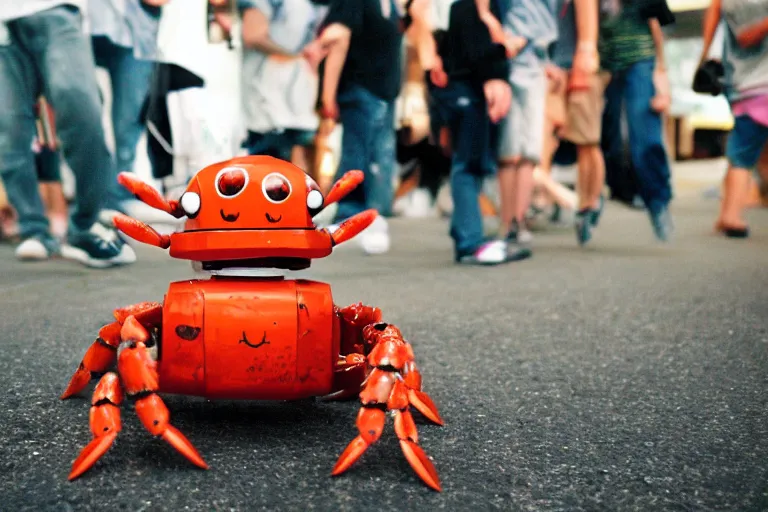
14 9
182 37
281 94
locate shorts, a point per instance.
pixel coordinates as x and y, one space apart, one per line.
522 131
582 111
746 142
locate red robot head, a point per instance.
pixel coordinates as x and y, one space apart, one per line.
248 211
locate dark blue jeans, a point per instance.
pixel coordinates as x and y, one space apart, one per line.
368 144
634 86
130 80
49 54
461 108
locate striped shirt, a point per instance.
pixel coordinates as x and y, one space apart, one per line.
625 37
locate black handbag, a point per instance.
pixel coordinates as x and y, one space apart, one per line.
709 78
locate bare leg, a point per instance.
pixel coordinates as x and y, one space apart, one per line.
523 190
735 193
507 195
591 176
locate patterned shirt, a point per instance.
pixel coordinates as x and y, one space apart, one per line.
625 36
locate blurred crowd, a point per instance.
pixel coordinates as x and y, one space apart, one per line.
508 87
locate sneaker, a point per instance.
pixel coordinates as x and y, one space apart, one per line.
519 234
494 252
517 252
584 224
36 249
489 253
375 238
99 247
662 224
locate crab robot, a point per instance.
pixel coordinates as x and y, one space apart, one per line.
247 331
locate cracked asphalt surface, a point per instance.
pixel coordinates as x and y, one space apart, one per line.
623 376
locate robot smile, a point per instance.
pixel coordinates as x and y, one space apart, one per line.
272 219
229 218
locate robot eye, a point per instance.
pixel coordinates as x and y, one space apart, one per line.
231 181
190 203
276 188
314 200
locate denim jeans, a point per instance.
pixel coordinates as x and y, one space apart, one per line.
48 53
634 86
130 80
461 108
368 144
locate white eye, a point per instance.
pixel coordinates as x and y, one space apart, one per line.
190 203
314 199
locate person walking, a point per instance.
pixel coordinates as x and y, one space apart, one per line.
43 49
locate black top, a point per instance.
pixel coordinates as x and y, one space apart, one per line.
374 59
466 47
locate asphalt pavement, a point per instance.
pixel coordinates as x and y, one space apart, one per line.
623 376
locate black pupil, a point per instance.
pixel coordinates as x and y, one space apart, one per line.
277 188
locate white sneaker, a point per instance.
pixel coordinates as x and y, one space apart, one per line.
524 236
32 249
419 205
375 238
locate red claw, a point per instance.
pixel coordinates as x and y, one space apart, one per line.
352 227
148 194
141 232
344 186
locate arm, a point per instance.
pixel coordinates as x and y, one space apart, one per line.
711 20
256 34
334 64
421 35
662 99
587 23
658 41
753 35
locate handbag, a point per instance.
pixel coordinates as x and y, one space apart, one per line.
709 78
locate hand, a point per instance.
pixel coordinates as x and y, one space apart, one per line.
557 76
314 53
329 109
437 74
511 43
498 96
586 61
224 20
662 99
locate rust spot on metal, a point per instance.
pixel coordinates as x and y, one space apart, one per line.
187 332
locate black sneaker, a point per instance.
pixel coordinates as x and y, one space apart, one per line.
98 247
